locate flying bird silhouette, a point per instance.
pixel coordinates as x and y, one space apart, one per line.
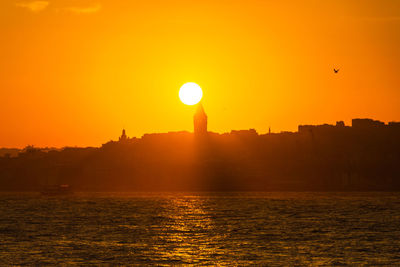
336 70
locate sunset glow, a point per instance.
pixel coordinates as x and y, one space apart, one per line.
190 93
77 72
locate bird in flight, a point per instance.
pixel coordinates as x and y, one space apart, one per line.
336 70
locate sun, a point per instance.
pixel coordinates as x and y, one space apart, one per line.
190 93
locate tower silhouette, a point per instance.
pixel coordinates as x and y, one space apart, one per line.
200 121
123 137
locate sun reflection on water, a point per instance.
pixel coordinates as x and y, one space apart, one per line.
287 229
188 231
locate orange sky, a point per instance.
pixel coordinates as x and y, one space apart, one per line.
77 72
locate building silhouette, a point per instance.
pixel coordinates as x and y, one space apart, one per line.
200 121
366 124
327 157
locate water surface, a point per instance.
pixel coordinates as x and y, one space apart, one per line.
226 229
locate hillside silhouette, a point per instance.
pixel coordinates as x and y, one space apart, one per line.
364 156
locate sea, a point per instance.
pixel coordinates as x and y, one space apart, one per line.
225 229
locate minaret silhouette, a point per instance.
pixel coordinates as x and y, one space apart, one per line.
200 121
123 137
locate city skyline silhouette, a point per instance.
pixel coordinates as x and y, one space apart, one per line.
333 157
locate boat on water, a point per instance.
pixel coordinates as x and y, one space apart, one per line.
57 190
